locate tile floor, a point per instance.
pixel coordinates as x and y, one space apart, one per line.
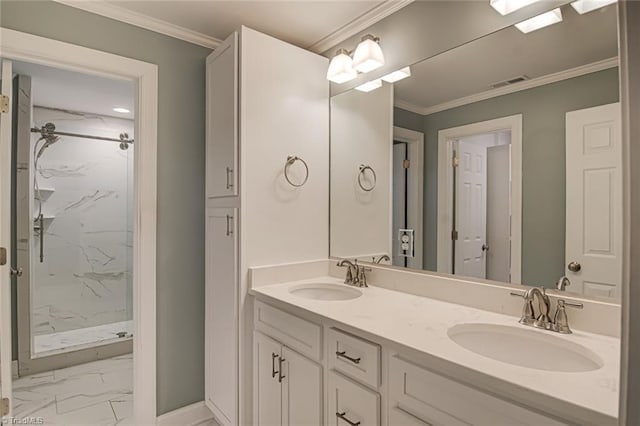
96 393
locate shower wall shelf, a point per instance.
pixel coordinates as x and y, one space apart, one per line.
45 193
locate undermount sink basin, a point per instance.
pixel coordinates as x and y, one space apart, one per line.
325 291
527 348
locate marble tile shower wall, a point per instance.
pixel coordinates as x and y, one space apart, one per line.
87 201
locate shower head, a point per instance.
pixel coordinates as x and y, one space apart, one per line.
47 134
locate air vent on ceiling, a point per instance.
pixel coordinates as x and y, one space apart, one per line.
509 81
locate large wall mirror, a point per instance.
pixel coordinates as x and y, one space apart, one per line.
498 160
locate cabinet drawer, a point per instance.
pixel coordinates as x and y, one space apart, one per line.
355 357
351 403
296 333
436 400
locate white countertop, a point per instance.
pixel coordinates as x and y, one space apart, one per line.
421 324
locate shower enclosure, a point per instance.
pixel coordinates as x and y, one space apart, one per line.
74 205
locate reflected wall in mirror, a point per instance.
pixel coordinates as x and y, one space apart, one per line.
500 159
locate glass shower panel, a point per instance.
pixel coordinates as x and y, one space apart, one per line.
81 245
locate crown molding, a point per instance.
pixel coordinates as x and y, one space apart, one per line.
122 14
528 84
359 24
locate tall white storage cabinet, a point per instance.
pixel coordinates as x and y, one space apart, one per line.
266 101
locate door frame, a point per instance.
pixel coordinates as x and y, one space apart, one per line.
446 137
415 189
21 46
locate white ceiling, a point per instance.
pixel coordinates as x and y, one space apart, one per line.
299 22
56 88
470 69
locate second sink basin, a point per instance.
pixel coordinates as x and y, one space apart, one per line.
526 348
325 291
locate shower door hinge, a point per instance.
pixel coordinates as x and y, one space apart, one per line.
4 104
3 256
4 409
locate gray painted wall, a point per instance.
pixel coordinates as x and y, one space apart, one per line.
543 170
181 124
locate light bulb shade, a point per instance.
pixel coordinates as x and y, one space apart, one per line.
586 6
505 7
397 75
341 68
549 18
370 85
368 55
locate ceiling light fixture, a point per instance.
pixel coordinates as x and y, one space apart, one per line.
397 75
341 67
370 85
549 18
368 55
586 6
505 7
121 110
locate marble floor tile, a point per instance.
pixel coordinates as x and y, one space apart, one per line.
95 393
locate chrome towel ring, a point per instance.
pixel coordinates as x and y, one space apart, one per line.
290 160
363 169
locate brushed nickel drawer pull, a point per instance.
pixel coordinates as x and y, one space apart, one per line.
343 354
229 180
280 375
273 364
343 416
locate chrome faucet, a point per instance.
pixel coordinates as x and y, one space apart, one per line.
563 283
560 322
356 274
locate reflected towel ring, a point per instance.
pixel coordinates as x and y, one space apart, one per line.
363 169
290 160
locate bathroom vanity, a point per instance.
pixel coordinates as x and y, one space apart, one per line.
329 353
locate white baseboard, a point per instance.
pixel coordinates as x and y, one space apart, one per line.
191 415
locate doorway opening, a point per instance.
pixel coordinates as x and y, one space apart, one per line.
480 200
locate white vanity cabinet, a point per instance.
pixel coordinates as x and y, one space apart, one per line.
222 120
366 383
287 379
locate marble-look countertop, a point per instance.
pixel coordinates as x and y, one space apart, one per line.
421 324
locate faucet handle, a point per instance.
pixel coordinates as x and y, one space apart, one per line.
560 319
527 317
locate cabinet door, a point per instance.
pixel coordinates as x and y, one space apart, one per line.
222 119
221 318
301 390
267 397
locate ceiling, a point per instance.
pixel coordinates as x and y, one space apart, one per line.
472 68
73 91
299 22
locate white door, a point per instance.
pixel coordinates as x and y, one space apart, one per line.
399 200
267 381
498 253
221 318
5 241
471 210
594 201
222 119
301 390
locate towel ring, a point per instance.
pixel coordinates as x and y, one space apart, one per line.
363 169
290 160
